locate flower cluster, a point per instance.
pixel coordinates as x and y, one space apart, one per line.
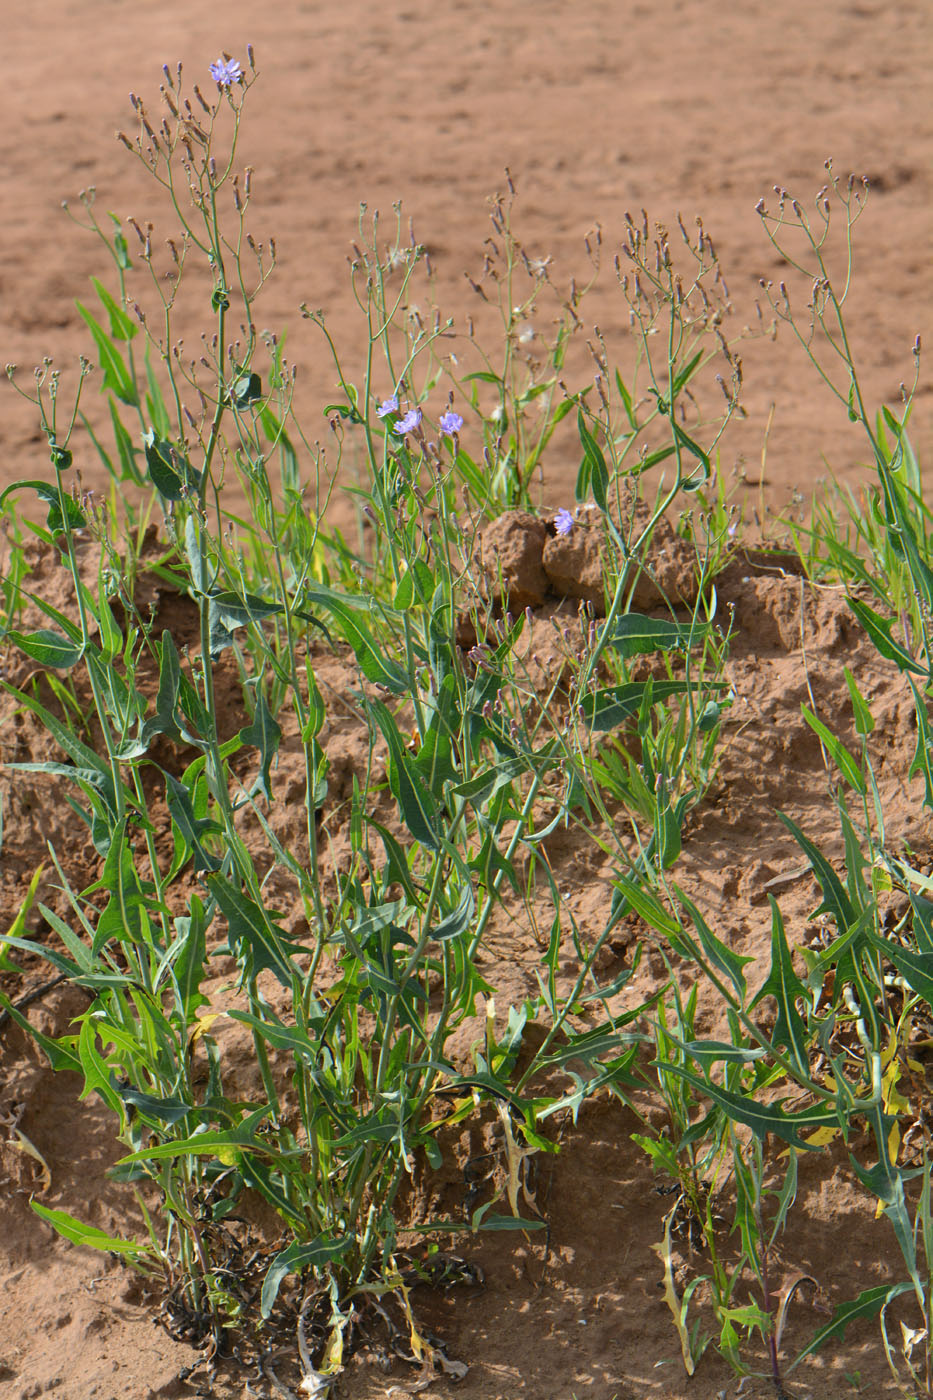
409 423
449 423
226 71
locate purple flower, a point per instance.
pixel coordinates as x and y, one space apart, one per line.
389 405
450 423
409 423
563 522
225 71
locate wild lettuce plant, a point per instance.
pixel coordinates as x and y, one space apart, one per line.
837 1052
350 1000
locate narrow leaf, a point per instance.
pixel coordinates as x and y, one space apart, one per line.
416 805
635 635
88 1235
835 900
761 1118
48 647
265 735
879 630
215 1143
293 1259
837 751
784 985
866 1305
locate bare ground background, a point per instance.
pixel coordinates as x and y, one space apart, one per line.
596 108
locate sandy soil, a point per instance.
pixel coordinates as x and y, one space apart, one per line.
596 108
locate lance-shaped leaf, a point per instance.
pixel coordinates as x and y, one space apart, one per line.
294 1258
593 476
483 786
886 1181
635 635
711 1052
416 805
396 868
916 968
647 904
265 735
122 327
79 753
668 821
835 900
224 1144
864 719
703 472
761 1118
87 1235
879 630
47 491
169 470
117 376
923 921
291 1039
866 1305
435 759
190 827
730 964
373 661
164 721
784 985
922 761
60 1053
837 751
122 917
188 955
166 1110
237 609
458 920
48 647
901 531
256 942
612 706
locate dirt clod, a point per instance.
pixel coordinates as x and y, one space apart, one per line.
574 568
510 554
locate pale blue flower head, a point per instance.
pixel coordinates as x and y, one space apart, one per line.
450 423
389 405
225 71
409 423
563 522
